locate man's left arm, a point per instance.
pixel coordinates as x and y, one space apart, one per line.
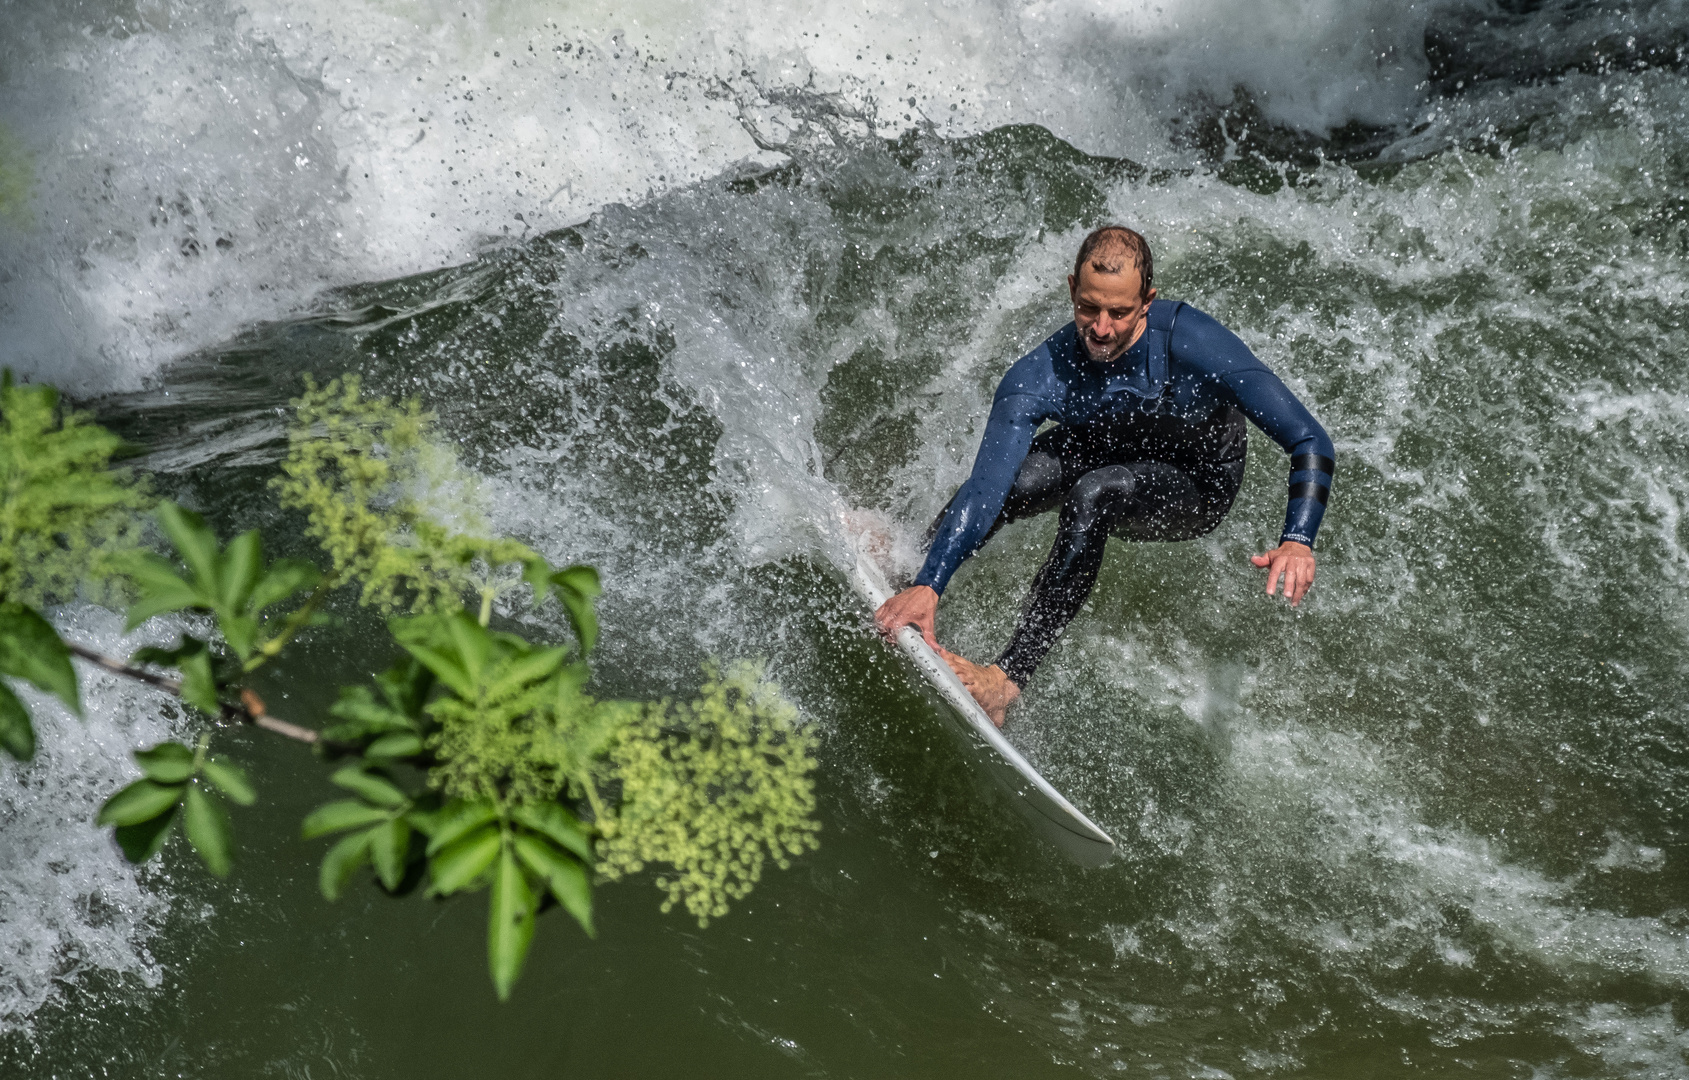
1267 402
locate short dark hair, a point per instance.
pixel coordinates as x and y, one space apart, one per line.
1107 250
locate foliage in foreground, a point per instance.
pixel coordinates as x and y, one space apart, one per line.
478 760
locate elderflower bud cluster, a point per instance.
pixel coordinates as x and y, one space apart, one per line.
715 789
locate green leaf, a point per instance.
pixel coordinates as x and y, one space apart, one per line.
199 685
465 859
342 861
576 587
144 839
580 579
470 643
537 665
17 734
197 545
424 821
537 573
376 789
556 823
405 686
564 876
140 801
231 780
398 745
239 568
30 649
510 924
284 578
340 815
167 763
457 819
365 716
240 631
454 647
161 588
389 844
208 831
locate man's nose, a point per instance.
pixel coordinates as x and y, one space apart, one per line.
1104 326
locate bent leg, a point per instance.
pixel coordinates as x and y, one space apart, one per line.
1145 500
1094 506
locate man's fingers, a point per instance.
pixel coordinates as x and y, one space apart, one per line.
1293 568
1299 577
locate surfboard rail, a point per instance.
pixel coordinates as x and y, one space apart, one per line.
1045 808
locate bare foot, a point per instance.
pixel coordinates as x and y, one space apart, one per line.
994 690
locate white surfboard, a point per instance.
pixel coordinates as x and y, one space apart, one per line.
1045 808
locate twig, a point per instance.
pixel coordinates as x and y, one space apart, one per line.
251 710
113 664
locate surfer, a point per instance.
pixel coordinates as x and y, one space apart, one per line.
1150 397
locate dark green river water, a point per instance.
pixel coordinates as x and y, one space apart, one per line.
1431 824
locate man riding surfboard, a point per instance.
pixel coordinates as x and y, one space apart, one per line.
1150 397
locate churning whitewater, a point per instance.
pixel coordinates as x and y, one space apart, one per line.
689 284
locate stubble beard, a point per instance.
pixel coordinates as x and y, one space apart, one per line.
1109 352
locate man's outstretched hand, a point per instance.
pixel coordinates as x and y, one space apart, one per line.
1293 562
915 606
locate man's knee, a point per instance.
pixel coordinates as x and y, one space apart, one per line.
1100 495
1037 486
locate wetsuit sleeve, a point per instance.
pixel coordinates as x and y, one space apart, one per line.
1201 341
1008 435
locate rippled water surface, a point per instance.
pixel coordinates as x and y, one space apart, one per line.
1431 824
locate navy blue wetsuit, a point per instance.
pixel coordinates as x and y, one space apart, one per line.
1151 447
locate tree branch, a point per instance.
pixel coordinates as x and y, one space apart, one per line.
113 664
251 710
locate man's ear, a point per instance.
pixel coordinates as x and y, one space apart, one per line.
1073 288
1149 297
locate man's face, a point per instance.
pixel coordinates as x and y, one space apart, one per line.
1109 310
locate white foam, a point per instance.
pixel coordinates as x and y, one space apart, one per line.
70 903
330 141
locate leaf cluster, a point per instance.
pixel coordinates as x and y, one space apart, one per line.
524 851
179 783
64 512
381 821
234 584
715 789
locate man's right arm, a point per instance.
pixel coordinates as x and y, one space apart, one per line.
1008 435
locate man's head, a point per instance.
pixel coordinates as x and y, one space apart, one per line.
1111 289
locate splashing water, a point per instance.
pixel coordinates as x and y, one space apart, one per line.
1433 821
